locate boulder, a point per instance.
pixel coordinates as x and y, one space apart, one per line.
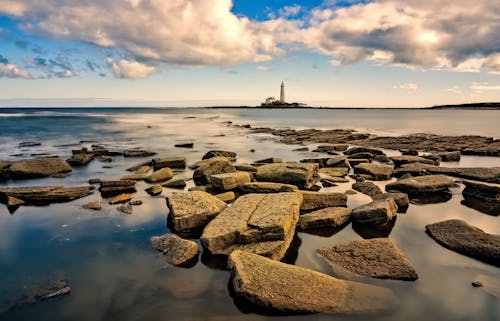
401 199
113 188
122 198
293 289
160 175
80 159
320 161
334 171
368 188
409 159
266 187
421 184
218 153
487 192
94 205
411 152
40 195
378 212
172 162
38 167
466 239
259 223
229 181
377 258
377 172
364 155
301 175
178 251
209 167
329 217
315 201
193 210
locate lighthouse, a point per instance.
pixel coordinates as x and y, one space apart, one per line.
282 93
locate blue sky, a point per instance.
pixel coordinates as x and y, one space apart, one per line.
221 52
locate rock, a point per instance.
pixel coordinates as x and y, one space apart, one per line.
12 202
94 205
203 188
329 217
227 197
137 166
487 192
301 149
28 144
448 156
122 198
266 187
81 159
401 199
144 169
293 289
175 183
38 167
172 162
378 212
259 223
408 159
218 153
374 231
41 195
135 177
192 210
315 201
477 284
367 188
364 155
333 179
113 188
177 250
421 184
160 175
137 153
125 209
485 174
229 181
334 171
357 161
377 258
135 203
382 159
154 190
211 166
410 152
357 150
339 161
378 172
466 239
331 148
105 159
246 168
184 145
301 175
94 181
320 161
270 160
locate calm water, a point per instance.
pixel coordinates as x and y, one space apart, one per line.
116 275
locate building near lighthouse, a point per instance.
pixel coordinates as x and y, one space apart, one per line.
273 102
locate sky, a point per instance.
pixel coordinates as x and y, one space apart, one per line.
181 53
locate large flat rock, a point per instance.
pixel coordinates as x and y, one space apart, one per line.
229 181
289 288
39 195
466 239
330 217
315 201
484 174
377 258
300 175
366 187
38 167
193 210
259 223
421 184
377 172
266 187
487 192
409 159
378 212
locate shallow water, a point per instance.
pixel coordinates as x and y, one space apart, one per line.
116 275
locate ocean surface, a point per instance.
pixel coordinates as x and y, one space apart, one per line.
115 274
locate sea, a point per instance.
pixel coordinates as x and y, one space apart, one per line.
115 274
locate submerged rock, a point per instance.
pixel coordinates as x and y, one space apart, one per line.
301 175
209 167
466 239
229 181
266 187
125 209
288 288
421 184
259 223
377 172
94 205
367 188
178 251
377 258
329 217
378 212
315 201
38 167
192 210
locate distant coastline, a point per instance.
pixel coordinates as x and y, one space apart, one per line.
474 106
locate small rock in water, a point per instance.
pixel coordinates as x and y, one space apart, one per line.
28 144
154 190
367 188
184 145
177 250
126 209
94 181
378 212
175 183
105 159
94 205
163 174
477 284
135 202
218 153
122 198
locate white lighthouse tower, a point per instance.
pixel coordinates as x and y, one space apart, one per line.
282 93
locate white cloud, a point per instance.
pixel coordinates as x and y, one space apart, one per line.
408 87
483 86
263 68
457 90
129 69
13 71
290 11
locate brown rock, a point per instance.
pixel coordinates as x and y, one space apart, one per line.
266 187
378 212
301 175
209 167
367 188
177 250
40 195
218 153
421 184
172 162
38 167
315 201
160 175
229 181
94 205
378 172
122 198
329 217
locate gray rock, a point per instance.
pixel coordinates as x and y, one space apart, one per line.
178 251
40 195
315 201
401 199
172 162
218 153
409 159
487 192
160 175
329 217
421 184
94 205
378 212
184 145
192 210
411 152
81 159
377 258
38 167
378 172
229 181
368 188
259 223
466 239
211 166
301 175
28 144
266 187
125 209
289 288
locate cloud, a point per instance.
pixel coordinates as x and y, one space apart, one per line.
129 69
290 11
3 60
408 87
457 90
13 71
263 68
59 67
483 86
